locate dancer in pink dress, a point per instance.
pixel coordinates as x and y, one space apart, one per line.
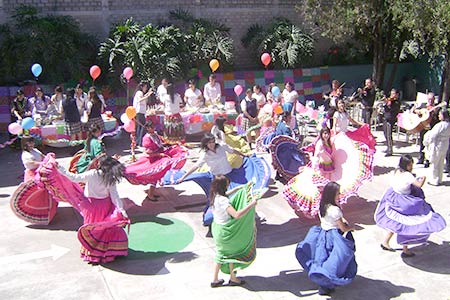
323 153
102 237
159 159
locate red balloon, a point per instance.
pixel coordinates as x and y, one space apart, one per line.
265 59
95 71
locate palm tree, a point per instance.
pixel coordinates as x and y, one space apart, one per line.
288 45
206 39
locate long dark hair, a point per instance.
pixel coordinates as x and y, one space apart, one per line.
171 92
205 140
93 129
220 123
405 160
112 171
328 197
93 96
219 186
24 142
325 129
141 85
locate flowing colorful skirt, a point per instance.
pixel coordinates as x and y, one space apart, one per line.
409 216
33 203
353 163
174 129
262 143
240 144
151 169
287 158
236 240
254 169
328 257
102 236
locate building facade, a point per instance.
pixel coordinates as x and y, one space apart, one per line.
97 16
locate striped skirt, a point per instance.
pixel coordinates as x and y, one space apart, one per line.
100 237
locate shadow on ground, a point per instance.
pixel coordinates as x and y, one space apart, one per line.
298 283
148 263
440 263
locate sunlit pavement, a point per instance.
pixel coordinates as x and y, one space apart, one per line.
171 258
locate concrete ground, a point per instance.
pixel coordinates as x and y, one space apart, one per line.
42 262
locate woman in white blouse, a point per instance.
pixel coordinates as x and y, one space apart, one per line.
31 157
101 204
173 122
214 155
193 97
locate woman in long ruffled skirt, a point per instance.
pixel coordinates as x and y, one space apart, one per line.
328 251
404 211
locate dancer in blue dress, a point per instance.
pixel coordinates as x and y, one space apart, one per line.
328 251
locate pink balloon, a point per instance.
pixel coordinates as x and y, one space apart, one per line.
265 59
14 128
130 126
238 89
128 73
300 108
95 71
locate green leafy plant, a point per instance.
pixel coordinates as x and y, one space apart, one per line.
288 45
55 42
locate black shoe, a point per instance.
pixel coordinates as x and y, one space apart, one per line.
426 164
388 154
406 255
325 291
387 248
217 284
420 161
234 283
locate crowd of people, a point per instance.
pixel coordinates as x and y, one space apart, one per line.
231 199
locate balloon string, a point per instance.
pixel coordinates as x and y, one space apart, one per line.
7 143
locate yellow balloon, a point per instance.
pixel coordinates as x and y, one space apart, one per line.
214 64
130 112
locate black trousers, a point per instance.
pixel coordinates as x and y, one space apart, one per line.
367 114
387 130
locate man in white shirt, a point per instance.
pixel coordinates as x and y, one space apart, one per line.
212 91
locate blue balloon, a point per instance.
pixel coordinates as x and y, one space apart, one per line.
276 91
27 123
36 69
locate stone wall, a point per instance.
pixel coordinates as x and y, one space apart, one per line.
97 16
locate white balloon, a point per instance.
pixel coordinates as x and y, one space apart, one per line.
124 118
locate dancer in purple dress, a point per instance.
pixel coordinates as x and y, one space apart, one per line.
403 210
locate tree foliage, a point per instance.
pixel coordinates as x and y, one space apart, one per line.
287 44
55 42
168 51
369 23
429 23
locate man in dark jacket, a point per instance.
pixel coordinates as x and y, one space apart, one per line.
391 109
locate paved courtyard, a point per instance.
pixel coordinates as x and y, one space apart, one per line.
171 258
